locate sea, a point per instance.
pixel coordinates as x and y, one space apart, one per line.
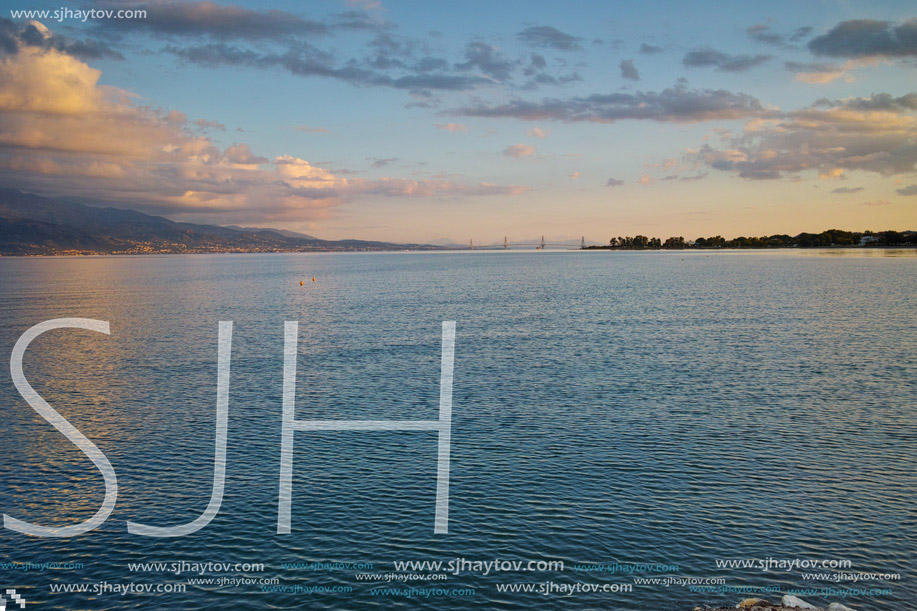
629 431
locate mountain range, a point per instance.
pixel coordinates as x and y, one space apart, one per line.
35 225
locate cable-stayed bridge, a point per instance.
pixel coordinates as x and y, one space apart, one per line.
527 244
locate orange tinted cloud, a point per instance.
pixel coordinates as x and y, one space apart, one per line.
519 150
62 133
452 127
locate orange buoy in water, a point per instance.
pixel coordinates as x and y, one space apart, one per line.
313 279
300 283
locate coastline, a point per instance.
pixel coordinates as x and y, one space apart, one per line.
432 250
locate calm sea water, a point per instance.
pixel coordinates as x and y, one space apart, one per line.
664 408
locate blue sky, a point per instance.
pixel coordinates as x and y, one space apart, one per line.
417 120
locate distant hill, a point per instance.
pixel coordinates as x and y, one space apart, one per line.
34 225
447 243
283 232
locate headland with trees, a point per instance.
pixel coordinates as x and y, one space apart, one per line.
832 238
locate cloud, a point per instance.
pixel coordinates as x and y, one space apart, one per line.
867 38
907 191
707 58
801 33
847 190
452 127
649 49
358 20
381 163
763 33
875 134
219 21
537 132
832 174
399 187
366 4
537 71
205 124
818 73
44 94
241 154
63 133
614 182
878 202
388 50
311 130
692 178
628 70
547 37
308 61
488 60
421 82
34 34
675 104
877 101
519 150
215 35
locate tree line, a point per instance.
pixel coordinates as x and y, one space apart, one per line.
830 238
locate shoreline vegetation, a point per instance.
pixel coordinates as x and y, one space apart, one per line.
832 238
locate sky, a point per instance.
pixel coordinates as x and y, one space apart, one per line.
419 121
